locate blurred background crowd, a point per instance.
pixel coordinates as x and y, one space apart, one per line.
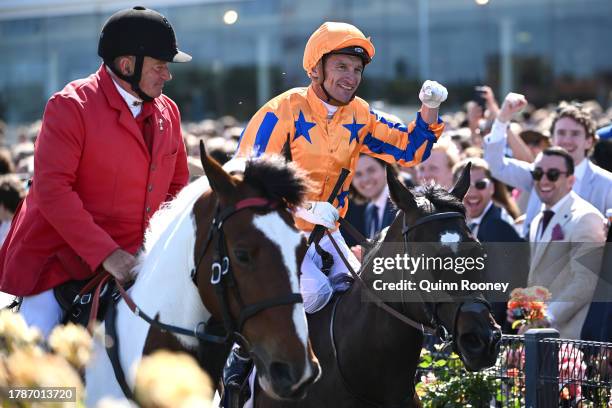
246 51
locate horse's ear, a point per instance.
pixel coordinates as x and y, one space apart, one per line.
286 151
221 183
401 196
463 184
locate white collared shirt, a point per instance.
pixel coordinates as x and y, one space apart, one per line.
134 103
478 219
331 109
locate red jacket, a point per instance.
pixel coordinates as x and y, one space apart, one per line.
95 185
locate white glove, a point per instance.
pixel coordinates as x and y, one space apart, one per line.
432 94
319 212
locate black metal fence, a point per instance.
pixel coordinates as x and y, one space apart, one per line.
537 370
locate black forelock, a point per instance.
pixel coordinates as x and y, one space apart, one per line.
441 199
277 180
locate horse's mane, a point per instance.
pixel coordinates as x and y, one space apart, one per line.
170 211
277 180
441 199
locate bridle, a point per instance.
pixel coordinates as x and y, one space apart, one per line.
431 311
223 280
222 277
435 325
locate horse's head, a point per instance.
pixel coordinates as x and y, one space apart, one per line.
433 223
247 266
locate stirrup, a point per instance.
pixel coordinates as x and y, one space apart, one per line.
236 379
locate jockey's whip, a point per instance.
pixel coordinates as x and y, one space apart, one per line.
318 231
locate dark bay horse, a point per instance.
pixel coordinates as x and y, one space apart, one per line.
369 357
226 247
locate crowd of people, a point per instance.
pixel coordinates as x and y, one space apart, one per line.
506 147
111 148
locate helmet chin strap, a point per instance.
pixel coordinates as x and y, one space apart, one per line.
330 99
134 79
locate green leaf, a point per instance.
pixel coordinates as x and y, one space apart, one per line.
440 363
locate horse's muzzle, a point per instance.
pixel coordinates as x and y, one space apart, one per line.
288 381
478 340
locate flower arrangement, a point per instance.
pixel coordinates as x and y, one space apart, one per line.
446 384
527 308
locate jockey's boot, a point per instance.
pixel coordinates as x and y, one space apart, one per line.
235 378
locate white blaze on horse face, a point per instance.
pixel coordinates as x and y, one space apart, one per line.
451 240
287 239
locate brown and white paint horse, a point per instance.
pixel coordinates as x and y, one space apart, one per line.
264 251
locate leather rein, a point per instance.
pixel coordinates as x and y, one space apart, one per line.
222 279
435 326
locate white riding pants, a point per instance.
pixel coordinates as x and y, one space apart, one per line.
42 311
316 288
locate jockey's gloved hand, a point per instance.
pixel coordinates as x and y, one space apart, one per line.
432 94
319 212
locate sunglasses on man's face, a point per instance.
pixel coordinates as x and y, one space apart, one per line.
481 184
551 174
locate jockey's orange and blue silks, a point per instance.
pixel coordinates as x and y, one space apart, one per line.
322 147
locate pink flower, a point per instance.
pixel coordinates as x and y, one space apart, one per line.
557 233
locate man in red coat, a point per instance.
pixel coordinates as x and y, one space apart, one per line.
110 151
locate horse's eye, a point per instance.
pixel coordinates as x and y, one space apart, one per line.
242 255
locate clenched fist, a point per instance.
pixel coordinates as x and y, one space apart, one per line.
513 103
432 94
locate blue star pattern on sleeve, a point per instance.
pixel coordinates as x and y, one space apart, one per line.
302 128
341 198
354 129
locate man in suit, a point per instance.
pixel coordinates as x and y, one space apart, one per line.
597 325
491 225
370 181
572 129
567 239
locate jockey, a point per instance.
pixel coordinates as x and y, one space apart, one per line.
109 152
327 127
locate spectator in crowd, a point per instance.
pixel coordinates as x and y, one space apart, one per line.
572 129
490 224
11 194
110 151
439 167
566 237
536 140
597 325
370 181
488 221
325 127
6 162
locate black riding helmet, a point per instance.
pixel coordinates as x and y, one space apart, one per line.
140 32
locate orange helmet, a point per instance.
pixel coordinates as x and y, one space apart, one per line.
339 38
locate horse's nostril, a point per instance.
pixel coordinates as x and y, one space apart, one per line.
281 374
